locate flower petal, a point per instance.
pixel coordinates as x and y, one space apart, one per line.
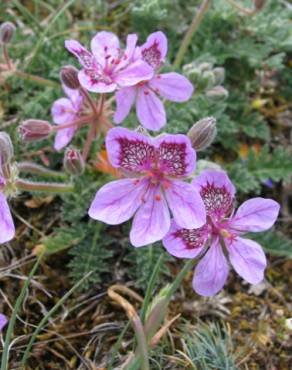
105 45
128 55
92 81
155 49
186 204
3 321
125 99
7 229
84 57
247 258
211 272
63 111
152 221
63 137
129 150
257 214
217 192
185 243
172 86
117 201
133 74
176 155
74 95
150 110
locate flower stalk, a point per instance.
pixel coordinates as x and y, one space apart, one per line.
192 29
26 185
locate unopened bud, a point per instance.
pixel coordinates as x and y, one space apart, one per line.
74 162
259 4
34 130
207 79
217 94
6 148
7 30
69 77
219 74
203 133
205 66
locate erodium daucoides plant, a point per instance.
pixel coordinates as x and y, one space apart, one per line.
193 215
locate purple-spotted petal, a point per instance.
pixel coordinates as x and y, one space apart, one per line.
155 49
172 86
152 221
217 192
129 53
3 321
211 272
63 137
63 111
125 99
7 229
185 243
129 150
117 201
186 204
150 110
257 214
133 74
176 155
105 46
92 81
247 258
84 57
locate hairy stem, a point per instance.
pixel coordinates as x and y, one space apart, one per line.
44 186
192 29
6 56
33 168
77 122
37 79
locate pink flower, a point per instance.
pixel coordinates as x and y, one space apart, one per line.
65 111
3 321
7 229
107 67
223 227
171 86
155 169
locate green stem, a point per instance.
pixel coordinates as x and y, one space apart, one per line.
178 280
44 186
150 287
36 169
117 345
5 354
47 317
6 56
192 29
37 79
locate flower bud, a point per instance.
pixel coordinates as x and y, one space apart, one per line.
219 74
259 4
203 133
6 148
207 79
74 162
69 77
205 66
34 130
7 30
217 94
